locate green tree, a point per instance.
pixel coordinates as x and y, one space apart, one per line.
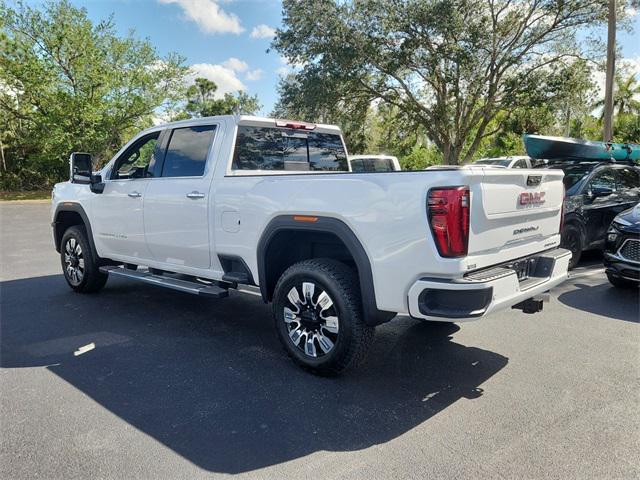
624 96
318 103
451 66
67 84
202 101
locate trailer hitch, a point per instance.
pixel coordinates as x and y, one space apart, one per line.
533 304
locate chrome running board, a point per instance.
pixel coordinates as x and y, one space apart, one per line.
187 286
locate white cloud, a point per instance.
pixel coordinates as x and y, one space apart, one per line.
224 77
235 64
283 71
208 15
253 75
262 31
291 65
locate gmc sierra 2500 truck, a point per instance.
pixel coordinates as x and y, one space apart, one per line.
205 205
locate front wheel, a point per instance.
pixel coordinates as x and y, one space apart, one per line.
80 270
318 315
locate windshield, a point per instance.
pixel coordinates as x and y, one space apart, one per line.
494 161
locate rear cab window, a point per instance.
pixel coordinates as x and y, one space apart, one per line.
372 165
275 149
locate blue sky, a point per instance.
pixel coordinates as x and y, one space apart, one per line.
226 40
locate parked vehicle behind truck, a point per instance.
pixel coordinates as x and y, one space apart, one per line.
205 205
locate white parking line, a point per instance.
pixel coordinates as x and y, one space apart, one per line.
590 273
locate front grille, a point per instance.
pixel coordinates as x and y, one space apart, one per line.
630 250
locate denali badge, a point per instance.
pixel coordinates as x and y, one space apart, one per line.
531 198
518 231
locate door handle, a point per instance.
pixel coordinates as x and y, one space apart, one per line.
194 195
134 194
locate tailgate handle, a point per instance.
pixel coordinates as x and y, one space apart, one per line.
534 180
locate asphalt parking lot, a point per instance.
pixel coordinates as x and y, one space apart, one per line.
183 387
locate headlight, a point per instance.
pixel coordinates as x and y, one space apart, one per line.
621 221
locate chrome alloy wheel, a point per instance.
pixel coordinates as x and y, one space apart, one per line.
74 261
312 323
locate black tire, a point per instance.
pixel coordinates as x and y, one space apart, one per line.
572 240
620 282
78 264
349 336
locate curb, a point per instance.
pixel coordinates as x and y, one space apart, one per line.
23 202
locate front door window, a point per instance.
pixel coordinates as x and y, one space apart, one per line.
138 160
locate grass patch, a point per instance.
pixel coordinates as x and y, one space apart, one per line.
30 195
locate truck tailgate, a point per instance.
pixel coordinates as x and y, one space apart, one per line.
514 213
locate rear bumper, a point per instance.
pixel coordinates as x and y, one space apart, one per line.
480 293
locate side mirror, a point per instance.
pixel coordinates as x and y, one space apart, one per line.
81 168
601 192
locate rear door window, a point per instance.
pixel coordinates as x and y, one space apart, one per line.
187 151
628 178
263 148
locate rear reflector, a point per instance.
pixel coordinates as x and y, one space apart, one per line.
295 125
448 210
305 218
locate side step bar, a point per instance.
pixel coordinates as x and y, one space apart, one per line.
181 285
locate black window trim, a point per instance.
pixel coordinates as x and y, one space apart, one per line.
163 139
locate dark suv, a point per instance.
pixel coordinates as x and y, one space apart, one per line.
622 250
595 194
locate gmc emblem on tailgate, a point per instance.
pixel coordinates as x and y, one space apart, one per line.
531 198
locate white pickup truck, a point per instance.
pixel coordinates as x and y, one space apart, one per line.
205 205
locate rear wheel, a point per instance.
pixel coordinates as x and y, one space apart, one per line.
621 282
572 240
318 315
78 265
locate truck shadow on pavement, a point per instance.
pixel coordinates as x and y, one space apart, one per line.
209 380
593 296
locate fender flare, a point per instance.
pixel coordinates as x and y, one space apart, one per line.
372 315
77 208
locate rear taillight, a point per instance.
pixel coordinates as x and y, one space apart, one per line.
564 200
448 210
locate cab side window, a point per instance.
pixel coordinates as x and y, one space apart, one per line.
628 179
139 159
520 164
602 181
187 151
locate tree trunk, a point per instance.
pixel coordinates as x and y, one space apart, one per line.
450 154
610 72
4 164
